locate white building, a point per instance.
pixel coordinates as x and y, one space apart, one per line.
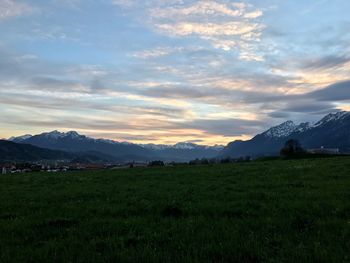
3 170
323 150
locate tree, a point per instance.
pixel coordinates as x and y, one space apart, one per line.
292 147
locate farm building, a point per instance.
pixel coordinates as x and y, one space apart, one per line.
323 150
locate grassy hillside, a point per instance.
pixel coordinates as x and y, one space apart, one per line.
271 211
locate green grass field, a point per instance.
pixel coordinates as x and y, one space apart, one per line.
269 211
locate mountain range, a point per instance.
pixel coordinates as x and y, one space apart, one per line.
118 151
332 131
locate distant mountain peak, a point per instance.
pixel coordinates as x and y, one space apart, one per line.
72 141
332 117
73 133
185 145
332 131
287 128
303 127
182 146
282 130
20 138
53 134
59 135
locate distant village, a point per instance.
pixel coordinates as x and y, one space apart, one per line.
61 166
12 168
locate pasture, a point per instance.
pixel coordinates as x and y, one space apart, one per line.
262 211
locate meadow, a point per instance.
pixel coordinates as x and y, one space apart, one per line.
261 211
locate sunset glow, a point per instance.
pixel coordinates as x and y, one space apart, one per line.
209 71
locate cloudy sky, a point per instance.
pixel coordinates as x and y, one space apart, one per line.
164 71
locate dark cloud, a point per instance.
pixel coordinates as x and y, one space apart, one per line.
307 106
318 102
226 127
279 114
212 95
327 62
177 92
337 92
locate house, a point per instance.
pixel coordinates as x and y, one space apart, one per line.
3 171
323 150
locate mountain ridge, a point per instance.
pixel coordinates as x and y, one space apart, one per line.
331 131
72 141
57 134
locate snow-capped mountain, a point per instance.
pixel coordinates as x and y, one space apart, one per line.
155 147
287 128
184 151
185 145
332 117
181 146
282 130
332 131
302 127
20 138
55 135
74 142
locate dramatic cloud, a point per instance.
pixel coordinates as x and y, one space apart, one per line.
164 71
227 127
225 25
327 62
308 106
336 92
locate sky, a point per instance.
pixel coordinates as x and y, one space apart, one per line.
167 71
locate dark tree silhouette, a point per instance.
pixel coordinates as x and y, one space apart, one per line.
292 148
156 163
